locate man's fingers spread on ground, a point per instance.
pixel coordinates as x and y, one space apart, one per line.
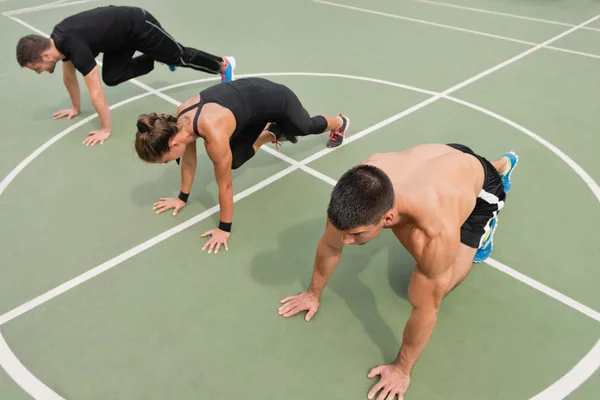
293 311
286 307
374 390
393 394
287 299
384 392
374 372
287 310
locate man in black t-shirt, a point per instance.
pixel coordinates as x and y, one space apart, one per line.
117 32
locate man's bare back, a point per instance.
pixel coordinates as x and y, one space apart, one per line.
442 202
449 177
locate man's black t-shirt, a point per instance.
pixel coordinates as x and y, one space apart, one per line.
81 37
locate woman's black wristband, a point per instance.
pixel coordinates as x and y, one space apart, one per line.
183 196
225 226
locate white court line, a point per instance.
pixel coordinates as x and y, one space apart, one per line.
21 166
44 7
456 28
502 14
134 251
544 289
581 372
21 375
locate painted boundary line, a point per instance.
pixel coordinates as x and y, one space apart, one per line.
456 28
43 7
502 14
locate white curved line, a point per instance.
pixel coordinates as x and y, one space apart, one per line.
575 377
17 170
21 375
568 160
44 7
567 384
320 74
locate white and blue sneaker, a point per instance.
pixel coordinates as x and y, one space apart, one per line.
513 160
227 73
487 244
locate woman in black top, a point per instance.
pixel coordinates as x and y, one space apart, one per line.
234 119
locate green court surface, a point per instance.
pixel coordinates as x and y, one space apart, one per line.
102 299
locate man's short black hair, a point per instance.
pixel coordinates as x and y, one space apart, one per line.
361 197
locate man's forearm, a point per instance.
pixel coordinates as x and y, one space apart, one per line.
326 261
73 89
417 332
101 107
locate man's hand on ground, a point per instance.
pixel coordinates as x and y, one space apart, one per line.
392 382
69 113
300 302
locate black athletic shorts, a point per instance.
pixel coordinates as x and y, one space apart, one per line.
489 202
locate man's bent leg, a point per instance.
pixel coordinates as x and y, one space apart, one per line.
118 66
163 47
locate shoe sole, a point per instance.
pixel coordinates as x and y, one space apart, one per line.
344 139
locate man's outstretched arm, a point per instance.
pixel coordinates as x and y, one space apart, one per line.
100 104
430 282
329 253
70 81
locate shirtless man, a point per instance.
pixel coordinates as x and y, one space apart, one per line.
442 203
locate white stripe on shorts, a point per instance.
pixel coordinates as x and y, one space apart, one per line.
491 199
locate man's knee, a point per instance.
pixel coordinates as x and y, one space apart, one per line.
111 80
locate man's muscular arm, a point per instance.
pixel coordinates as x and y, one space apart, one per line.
329 253
429 284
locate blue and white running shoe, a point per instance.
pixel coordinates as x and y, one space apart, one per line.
485 250
513 160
